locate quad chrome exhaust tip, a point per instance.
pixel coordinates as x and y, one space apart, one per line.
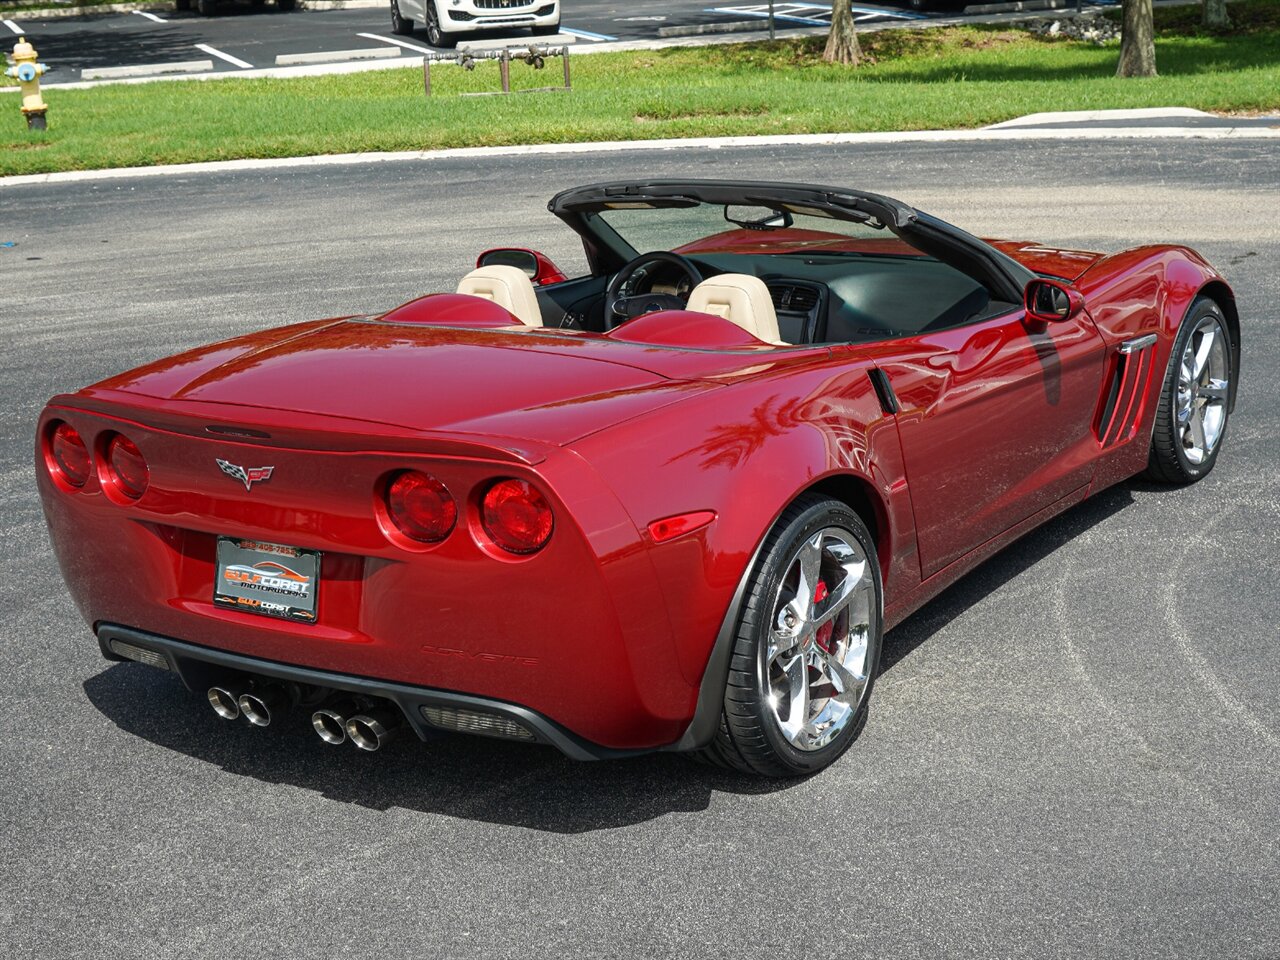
330 721
373 729
337 720
225 701
261 706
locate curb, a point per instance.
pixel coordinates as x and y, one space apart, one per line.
1091 116
701 29
148 70
692 143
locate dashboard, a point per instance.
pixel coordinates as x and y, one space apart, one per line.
818 298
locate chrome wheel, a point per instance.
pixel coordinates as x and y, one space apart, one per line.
815 668
1202 392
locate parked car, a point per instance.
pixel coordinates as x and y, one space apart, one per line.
210 8
670 504
447 21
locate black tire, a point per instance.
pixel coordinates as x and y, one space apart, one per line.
182 4
750 739
207 8
545 31
400 26
435 36
1169 460
285 6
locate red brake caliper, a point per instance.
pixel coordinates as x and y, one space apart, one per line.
823 639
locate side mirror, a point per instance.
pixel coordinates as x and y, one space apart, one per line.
1051 301
536 266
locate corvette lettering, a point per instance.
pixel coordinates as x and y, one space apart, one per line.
474 657
246 475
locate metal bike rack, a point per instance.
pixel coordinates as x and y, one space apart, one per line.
533 55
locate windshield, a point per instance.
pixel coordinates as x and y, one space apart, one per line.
737 228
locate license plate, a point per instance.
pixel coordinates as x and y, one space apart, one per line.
267 578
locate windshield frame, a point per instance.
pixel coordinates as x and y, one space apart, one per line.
608 251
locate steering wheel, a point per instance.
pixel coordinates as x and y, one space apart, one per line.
619 309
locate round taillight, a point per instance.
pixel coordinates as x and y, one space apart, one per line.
69 457
421 507
516 516
127 467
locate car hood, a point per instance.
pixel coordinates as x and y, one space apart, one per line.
552 387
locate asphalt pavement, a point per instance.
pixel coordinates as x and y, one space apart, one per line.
1073 753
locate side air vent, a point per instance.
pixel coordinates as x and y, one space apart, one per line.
803 299
1122 406
788 298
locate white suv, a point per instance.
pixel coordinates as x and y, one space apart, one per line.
447 20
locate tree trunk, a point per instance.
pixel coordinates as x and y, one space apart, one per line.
842 41
1215 13
1137 40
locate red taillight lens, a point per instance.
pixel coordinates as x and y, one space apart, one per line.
421 507
127 467
516 516
69 455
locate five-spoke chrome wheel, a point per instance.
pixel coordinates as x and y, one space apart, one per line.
815 667
1203 390
806 645
1195 396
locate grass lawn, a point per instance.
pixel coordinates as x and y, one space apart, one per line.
940 78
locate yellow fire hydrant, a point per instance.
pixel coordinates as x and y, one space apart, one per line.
27 72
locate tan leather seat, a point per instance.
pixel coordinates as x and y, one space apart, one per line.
740 299
508 287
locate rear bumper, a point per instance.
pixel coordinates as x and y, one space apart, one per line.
201 667
578 633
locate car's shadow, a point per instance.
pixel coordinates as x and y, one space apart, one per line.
497 782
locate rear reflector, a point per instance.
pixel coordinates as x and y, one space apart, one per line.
671 527
475 721
140 654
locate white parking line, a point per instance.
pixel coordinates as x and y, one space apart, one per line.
215 52
149 16
587 35
788 12
14 27
398 43
815 14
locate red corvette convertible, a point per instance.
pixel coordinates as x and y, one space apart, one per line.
669 505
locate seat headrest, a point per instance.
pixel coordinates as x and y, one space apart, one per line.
508 287
741 299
